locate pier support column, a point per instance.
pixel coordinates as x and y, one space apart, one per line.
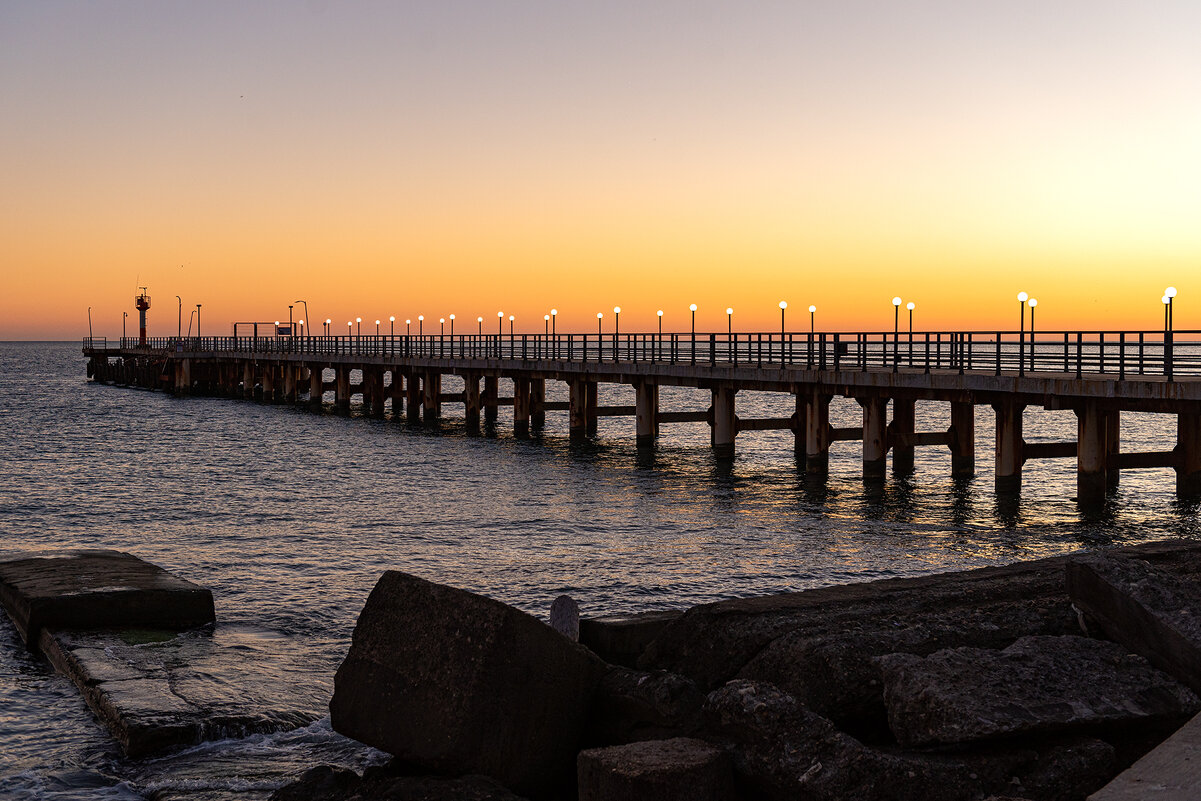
725 422
1188 454
817 433
537 403
377 391
268 380
521 407
963 440
471 402
904 421
491 398
591 391
875 437
431 396
342 389
248 380
1113 446
799 418
1009 446
413 404
289 383
578 409
316 384
1090 454
397 391
646 410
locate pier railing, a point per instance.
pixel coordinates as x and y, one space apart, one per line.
1110 353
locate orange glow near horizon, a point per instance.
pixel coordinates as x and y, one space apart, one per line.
380 162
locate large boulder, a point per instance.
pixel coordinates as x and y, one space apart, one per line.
1036 685
457 683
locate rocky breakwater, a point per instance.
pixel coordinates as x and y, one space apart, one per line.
956 687
136 641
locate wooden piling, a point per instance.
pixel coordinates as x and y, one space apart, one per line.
875 437
963 440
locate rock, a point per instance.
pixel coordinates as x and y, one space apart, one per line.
565 617
680 769
781 750
322 783
326 783
457 683
1037 685
632 705
621 639
1149 611
96 589
713 643
834 673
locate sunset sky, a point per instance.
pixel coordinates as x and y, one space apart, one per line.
438 157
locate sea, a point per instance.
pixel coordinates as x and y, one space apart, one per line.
290 516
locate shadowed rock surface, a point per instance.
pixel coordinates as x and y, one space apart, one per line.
679 769
1036 685
325 783
784 751
457 683
631 705
820 645
96 589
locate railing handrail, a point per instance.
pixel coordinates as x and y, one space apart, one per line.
1131 352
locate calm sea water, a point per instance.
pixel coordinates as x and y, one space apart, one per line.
290 517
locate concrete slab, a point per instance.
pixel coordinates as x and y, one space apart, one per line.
96 589
1170 772
158 692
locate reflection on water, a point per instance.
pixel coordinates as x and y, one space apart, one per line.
290 517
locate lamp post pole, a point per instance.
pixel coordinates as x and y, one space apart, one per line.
896 327
124 317
783 306
1022 298
179 318
198 321
812 318
1033 303
392 325
599 317
90 326
452 326
729 321
692 349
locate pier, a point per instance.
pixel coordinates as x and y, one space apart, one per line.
1097 374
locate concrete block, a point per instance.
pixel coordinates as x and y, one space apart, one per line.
96 589
457 683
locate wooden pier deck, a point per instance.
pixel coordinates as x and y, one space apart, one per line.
1096 374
